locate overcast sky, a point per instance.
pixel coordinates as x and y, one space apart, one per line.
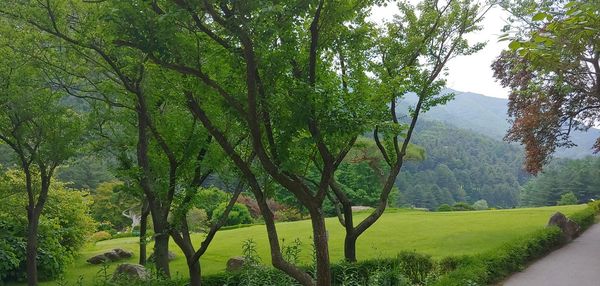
471 73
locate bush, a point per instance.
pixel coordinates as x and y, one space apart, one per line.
100 236
288 214
567 199
585 218
480 205
209 199
239 214
197 220
462 206
444 208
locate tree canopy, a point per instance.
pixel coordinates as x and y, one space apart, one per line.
552 67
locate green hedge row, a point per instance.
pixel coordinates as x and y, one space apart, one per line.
496 265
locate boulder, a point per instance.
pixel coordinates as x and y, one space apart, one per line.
235 263
360 208
569 228
123 253
112 255
171 256
131 271
98 259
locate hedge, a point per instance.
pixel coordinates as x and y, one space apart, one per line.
493 266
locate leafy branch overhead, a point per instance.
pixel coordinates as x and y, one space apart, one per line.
552 68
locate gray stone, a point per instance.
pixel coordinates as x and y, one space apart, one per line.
131 271
112 255
123 253
360 208
569 228
98 259
235 263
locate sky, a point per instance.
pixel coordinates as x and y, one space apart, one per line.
470 73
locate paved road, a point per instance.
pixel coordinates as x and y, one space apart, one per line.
575 264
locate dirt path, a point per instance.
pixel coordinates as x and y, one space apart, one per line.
575 264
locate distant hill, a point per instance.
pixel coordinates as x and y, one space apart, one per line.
488 116
461 165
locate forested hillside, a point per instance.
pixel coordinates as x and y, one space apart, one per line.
579 177
488 116
461 165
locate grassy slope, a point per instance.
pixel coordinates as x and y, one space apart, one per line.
436 233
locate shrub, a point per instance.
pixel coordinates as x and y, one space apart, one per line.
288 214
197 220
100 236
462 206
480 205
415 266
567 199
239 214
209 199
123 234
444 208
584 218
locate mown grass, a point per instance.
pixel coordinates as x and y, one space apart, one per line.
438 234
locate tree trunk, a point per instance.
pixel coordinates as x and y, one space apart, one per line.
350 247
195 274
161 246
32 240
321 247
143 230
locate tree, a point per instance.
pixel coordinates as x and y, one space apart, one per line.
480 205
263 86
567 199
398 53
108 205
552 69
64 227
172 153
40 131
560 177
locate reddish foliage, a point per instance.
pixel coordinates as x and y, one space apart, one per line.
253 205
544 106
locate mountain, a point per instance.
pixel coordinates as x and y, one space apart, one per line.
461 165
488 116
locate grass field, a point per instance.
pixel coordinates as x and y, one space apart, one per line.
439 234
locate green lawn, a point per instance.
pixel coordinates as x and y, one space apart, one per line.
436 233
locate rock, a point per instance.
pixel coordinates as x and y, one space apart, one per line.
171 256
131 271
112 255
123 253
569 228
360 208
235 263
98 259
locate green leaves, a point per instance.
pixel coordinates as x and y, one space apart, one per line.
515 45
541 16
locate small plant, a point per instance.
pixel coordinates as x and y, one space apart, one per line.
291 253
102 276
